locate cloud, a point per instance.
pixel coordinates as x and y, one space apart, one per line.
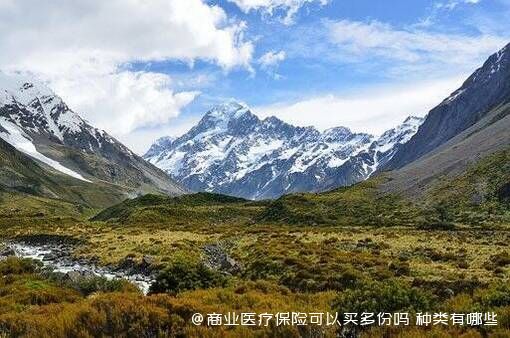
83 50
408 49
440 8
272 7
123 101
62 33
452 4
269 62
142 138
271 59
372 110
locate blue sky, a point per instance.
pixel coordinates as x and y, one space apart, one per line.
314 67
150 69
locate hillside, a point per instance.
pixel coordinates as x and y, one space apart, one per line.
484 91
200 208
86 164
488 136
20 175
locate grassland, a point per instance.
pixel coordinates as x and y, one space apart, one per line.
304 252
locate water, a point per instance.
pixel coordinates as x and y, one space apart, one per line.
65 264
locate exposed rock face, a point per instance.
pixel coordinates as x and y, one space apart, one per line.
487 88
232 151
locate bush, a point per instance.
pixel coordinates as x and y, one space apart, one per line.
87 285
181 276
347 277
495 296
499 260
389 296
18 266
438 217
94 284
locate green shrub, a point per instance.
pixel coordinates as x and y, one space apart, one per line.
388 296
89 284
17 266
437 217
181 276
495 296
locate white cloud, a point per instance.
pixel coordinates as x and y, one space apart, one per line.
82 49
271 59
371 110
452 4
142 138
269 63
409 50
379 39
270 7
62 33
124 101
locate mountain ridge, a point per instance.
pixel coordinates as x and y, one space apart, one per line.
484 90
232 151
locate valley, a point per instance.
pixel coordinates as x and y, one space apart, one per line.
242 214
308 252
252 264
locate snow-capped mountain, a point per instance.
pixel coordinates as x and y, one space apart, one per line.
39 124
232 151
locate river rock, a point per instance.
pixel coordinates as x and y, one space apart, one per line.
73 276
147 265
127 264
148 260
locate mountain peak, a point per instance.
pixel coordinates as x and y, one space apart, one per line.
37 123
21 88
232 151
337 134
228 110
43 110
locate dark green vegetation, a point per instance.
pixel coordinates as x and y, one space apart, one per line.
359 205
182 276
186 208
481 195
351 249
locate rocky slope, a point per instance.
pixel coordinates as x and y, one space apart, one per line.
467 127
37 123
232 151
486 89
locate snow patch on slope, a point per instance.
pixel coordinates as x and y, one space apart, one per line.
17 138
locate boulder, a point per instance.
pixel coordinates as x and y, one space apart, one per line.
217 258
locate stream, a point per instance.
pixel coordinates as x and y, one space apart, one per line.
57 258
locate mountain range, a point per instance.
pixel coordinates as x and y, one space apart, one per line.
58 146
231 151
48 150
